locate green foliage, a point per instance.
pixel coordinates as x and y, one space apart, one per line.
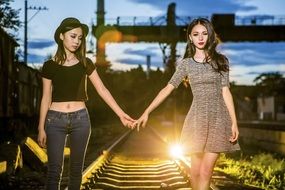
9 17
261 170
272 83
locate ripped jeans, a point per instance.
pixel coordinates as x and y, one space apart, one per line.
58 125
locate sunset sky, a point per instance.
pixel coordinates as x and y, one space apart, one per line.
247 59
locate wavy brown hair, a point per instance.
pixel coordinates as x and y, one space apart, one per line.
60 55
218 61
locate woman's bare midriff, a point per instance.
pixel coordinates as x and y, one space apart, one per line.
67 106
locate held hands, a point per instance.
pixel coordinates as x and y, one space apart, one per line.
131 123
235 133
141 121
126 120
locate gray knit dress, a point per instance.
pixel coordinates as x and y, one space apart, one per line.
207 126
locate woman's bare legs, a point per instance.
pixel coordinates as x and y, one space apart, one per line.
196 161
202 166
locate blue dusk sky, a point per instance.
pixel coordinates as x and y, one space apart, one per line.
247 59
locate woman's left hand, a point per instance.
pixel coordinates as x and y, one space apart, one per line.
235 133
126 120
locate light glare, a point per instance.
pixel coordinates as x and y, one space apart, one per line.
176 151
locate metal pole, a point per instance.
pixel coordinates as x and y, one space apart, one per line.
26 27
26 33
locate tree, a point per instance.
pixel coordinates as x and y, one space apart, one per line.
9 17
272 83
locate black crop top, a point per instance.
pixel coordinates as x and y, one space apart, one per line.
68 82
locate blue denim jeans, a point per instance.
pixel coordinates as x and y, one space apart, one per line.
58 125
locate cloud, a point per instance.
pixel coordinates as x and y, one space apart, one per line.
40 50
255 54
244 74
200 7
237 75
258 73
139 62
137 56
34 58
131 61
141 52
40 43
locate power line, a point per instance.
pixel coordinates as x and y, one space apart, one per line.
26 26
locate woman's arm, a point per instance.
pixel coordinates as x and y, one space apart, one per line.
230 105
161 96
108 98
164 93
45 104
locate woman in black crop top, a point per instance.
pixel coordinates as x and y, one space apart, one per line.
63 110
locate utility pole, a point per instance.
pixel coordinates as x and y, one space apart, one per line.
26 33
26 27
148 63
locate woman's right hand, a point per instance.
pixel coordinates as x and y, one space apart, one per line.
141 121
126 120
42 137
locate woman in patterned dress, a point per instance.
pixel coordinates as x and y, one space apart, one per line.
210 126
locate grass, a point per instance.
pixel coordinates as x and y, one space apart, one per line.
262 170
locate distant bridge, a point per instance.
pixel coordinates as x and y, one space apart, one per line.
170 29
251 20
228 27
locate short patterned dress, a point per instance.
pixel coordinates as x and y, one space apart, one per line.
207 126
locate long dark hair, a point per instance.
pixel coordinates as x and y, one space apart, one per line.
60 55
218 61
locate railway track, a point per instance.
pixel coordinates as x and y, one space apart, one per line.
141 161
136 161
120 174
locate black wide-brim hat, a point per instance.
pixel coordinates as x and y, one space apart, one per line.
69 24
